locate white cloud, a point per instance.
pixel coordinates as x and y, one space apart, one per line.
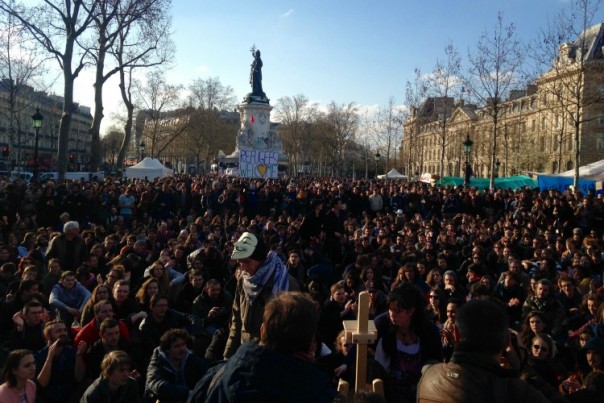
368 110
287 14
202 69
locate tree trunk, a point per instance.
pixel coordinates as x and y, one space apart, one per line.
577 153
494 152
68 109
95 127
129 118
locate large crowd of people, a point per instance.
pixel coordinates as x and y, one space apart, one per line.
140 290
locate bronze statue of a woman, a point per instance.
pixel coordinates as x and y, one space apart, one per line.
256 73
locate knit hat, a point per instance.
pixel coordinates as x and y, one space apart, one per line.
249 245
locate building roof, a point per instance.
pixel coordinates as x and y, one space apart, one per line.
592 39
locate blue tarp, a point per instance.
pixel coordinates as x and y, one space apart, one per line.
561 183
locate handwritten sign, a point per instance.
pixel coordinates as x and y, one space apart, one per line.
258 164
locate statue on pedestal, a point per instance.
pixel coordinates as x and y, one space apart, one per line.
256 73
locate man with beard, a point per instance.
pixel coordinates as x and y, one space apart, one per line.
110 340
213 306
61 366
543 300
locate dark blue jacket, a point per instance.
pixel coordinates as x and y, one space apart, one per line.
257 374
166 383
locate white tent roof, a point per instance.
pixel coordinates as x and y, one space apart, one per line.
594 171
150 168
392 174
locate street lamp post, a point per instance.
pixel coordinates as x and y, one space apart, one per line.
497 165
467 148
377 157
141 148
36 119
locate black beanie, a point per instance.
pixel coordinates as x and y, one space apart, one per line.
260 251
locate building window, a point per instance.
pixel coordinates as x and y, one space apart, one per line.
569 165
542 144
543 123
533 124
600 141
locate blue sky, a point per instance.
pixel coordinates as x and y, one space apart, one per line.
329 50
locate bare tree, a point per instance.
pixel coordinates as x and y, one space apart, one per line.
59 25
165 119
443 84
112 20
295 115
386 128
568 42
338 130
20 64
212 102
492 73
142 45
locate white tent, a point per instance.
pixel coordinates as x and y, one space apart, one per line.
393 174
593 171
149 168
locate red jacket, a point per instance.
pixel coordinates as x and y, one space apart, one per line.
90 333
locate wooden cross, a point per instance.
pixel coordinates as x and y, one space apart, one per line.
362 332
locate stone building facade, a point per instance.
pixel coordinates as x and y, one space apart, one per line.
18 137
537 126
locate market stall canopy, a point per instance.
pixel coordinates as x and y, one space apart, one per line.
149 168
593 171
394 175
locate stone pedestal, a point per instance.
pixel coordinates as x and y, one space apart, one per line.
255 132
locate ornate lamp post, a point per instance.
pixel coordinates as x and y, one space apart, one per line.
377 157
497 165
467 149
141 148
36 119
